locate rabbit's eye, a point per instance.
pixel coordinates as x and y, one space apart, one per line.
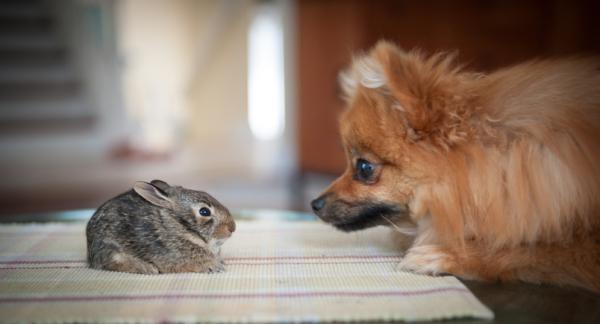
204 211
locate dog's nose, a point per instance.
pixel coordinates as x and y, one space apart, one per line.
318 204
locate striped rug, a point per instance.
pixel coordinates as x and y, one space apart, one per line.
276 272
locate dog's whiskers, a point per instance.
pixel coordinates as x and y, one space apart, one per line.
403 230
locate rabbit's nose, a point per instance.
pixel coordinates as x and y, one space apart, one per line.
232 227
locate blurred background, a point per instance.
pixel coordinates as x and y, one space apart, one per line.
237 98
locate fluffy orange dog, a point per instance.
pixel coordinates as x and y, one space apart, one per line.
497 176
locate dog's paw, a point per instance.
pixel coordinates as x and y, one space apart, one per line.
426 259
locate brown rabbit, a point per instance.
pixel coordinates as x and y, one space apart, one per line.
158 228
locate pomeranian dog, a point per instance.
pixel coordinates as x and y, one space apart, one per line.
496 175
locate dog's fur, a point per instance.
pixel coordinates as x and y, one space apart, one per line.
498 175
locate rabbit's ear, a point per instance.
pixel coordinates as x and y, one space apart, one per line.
152 194
163 186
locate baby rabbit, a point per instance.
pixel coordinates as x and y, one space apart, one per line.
158 228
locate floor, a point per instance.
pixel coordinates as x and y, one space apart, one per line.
260 175
517 303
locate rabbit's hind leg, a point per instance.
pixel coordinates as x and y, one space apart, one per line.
108 255
123 262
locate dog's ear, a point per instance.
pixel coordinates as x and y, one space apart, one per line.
425 90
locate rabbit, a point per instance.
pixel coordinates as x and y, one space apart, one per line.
157 228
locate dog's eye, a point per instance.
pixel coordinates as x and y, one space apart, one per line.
204 212
364 170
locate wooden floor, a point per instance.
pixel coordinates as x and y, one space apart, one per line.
517 303
238 177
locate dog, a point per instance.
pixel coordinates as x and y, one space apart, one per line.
496 176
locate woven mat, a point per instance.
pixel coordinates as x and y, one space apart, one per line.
276 271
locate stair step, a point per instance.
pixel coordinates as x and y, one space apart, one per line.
19 110
39 90
18 57
43 116
24 9
59 73
36 42
49 81
43 127
11 25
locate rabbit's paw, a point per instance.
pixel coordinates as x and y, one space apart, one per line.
212 267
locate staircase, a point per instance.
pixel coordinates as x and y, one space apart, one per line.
40 88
